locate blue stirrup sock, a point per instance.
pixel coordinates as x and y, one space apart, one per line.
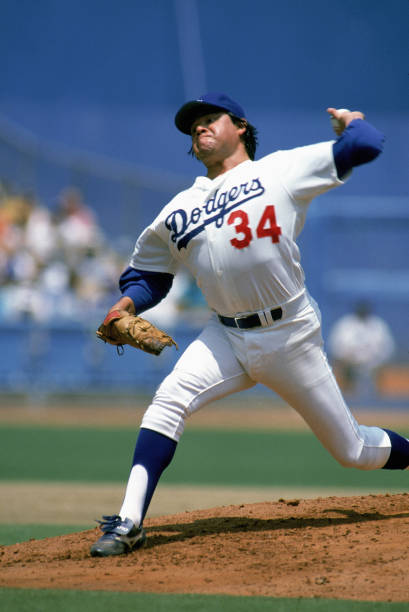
399 457
154 452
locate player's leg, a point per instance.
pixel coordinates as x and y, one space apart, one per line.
123 532
295 366
305 380
207 371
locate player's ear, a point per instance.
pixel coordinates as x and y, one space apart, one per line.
242 126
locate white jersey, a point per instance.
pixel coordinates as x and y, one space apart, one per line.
236 233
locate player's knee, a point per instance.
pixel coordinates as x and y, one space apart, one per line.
176 395
369 450
170 407
352 462
354 458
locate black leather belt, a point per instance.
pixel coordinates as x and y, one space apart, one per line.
249 321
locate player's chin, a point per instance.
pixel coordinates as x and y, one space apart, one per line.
204 143
203 146
203 151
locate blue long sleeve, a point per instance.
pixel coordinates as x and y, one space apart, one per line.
358 144
146 289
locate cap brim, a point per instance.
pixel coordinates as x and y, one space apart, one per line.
190 111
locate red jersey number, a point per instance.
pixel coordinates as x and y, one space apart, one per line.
241 228
267 227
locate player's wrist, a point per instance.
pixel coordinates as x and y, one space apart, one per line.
125 303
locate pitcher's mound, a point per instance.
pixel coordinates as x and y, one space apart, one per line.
333 547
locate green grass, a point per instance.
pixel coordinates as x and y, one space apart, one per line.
31 600
11 533
250 458
203 457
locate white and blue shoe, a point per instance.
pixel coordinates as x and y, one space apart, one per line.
120 537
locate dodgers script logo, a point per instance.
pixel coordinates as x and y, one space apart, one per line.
186 226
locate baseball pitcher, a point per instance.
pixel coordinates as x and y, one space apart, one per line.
235 229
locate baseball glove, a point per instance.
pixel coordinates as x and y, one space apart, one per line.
120 327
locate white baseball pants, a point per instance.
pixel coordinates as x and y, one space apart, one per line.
287 357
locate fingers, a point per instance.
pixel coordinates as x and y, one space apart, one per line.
345 113
337 113
358 115
342 117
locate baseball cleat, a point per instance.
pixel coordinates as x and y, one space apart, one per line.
120 537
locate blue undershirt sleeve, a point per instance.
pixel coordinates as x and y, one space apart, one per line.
146 289
358 144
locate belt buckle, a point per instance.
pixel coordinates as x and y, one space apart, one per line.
236 320
247 318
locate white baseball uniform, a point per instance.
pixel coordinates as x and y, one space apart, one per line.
236 234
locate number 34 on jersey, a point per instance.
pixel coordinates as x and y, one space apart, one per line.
266 228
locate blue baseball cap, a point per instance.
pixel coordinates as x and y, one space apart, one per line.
208 103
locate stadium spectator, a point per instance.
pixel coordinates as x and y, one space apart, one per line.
56 263
76 222
52 265
359 344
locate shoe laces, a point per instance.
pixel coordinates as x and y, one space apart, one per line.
109 523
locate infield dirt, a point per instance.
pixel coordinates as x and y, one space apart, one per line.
334 547
328 547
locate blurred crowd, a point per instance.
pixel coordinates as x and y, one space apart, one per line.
56 263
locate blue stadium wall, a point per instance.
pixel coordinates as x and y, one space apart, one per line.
88 93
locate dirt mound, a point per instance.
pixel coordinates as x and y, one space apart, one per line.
335 547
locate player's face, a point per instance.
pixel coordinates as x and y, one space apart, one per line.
215 137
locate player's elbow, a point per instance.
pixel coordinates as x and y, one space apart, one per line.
369 145
365 154
370 151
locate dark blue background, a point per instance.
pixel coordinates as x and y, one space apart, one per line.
108 76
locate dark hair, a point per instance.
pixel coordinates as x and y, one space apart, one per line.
249 138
